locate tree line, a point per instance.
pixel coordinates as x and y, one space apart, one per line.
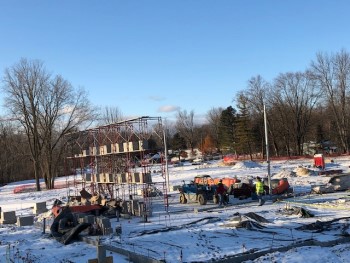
301 107
310 105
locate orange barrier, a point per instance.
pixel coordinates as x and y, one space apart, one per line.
32 187
24 188
227 181
204 180
207 180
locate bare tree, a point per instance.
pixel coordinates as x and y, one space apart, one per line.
47 108
13 148
258 94
169 132
213 118
186 127
333 73
111 115
295 97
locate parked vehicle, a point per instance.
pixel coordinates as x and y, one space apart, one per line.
245 190
200 190
241 190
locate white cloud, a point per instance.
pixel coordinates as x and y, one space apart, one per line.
156 98
168 108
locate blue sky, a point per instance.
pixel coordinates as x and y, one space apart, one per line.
156 57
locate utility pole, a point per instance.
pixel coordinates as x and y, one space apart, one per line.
267 153
166 161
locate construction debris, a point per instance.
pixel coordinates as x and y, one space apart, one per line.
248 221
294 210
65 227
320 226
340 182
257 217
322 189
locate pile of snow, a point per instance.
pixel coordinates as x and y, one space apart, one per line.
246 165
284 174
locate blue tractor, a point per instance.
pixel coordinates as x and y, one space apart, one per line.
197 191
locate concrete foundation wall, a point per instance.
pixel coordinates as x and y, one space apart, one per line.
8 217
25 220
39 208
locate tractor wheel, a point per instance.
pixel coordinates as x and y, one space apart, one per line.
95 212
201 199
183 199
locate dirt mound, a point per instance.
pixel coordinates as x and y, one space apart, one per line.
222 163
302 171
284 174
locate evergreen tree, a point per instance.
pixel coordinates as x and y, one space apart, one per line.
227 129
178 142
245 140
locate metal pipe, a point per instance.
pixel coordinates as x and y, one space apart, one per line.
166 162
267 153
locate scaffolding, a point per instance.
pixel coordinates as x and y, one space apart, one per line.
111 160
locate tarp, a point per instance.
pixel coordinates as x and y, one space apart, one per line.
65 229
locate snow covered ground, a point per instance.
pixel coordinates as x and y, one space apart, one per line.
194 233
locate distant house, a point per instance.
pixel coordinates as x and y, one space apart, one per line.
325 147
311 148
329 147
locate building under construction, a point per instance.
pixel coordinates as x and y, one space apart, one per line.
115 162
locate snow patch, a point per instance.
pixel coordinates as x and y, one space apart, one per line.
246 165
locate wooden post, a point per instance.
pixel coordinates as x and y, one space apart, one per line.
44 225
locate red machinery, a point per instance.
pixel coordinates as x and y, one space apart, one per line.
281 187
56 209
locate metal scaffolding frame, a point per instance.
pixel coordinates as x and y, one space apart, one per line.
110 160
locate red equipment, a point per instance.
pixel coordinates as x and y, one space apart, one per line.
282 187
319 161
78 208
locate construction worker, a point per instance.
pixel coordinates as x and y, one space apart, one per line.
259 190
118 209
220 191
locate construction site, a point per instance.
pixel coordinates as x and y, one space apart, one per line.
174 211
112 163
120 205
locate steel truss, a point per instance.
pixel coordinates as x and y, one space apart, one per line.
110 160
